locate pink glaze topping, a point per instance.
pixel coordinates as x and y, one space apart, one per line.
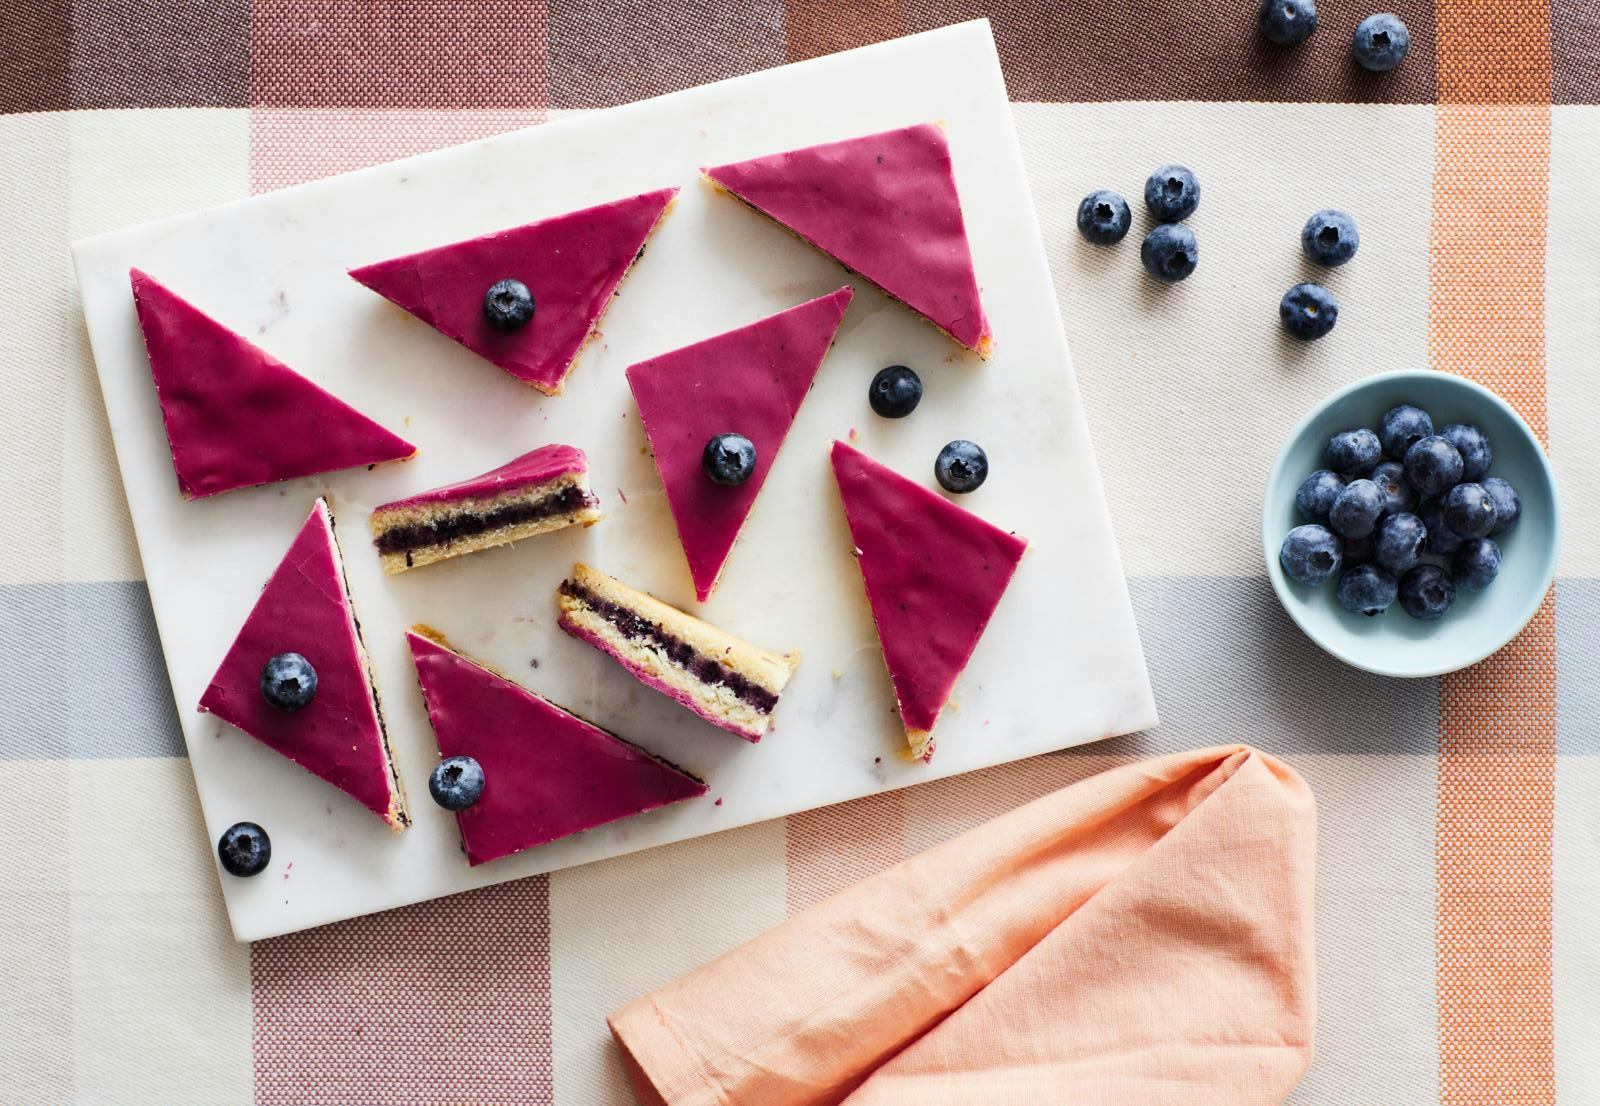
541 465
934 574
305 609
571 264
548 774
749 381
884 206
235 415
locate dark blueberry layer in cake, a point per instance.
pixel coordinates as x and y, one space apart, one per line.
401 539
705 669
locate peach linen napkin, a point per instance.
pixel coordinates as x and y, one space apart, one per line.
1141 937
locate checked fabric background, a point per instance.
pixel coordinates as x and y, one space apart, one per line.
1460 862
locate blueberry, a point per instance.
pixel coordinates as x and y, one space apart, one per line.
1288 22
1330 237
1169 252
1433 466
508 305
1400 539
456 782
895 392
1402 427
729 459
288 682
1469 511
1310 555
1381 42
1356 511
1476 564
961 467
1442 541
1358 551
1426 592
1507 504
1171 193
1353 452
1398 494
1476 456
1308 311
1315 497
1103 217
244 849
1368 590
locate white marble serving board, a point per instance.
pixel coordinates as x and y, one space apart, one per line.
1060 664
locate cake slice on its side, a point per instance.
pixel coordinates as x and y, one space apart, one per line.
547 774
728 682
339 735
934 574
547 489
235 415
570 264
749 381
882 205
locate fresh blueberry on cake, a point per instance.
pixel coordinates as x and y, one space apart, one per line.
244 849
729 459
547 489
508 305
288 682
456 782
725 680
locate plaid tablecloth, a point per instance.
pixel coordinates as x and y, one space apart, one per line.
1460 868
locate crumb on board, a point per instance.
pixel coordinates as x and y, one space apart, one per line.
718 802
854 437
622 495
837 674
533 662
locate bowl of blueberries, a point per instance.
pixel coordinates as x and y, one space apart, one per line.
1410 523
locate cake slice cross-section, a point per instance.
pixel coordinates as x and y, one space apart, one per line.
235 415
543 490
339 735
569 265
749 381
934 574
548 774
884 206
725 680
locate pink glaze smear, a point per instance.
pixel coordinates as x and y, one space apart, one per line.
537 467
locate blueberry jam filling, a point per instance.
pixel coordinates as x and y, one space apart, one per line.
707 670
402 539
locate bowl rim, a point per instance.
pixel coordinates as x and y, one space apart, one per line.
1270 548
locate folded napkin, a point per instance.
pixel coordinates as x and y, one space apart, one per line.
1142 937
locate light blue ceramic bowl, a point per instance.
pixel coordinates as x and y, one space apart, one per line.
1394 643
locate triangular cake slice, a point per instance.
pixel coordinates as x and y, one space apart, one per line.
305 608
547 774
571 264
884 206
749 381
235 415
934 573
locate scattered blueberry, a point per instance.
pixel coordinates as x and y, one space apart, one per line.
729 459
1398 494
1171 193
1442 541
1381 42
1169 252
508 305
1469 511
1310 555
1353 452
1402 427
1288 22
895 392
1103 217
1330 237
1316 495
1476 456
1356 511
1358 551
1400 539
1477 563
1308 311
1368 590
1426 592
288 682
244 849
961 467
1507 504
456 782
1433 465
